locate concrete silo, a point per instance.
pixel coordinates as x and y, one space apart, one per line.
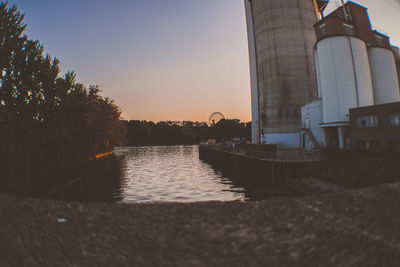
281 43
344 77
396 52
355 68
384 75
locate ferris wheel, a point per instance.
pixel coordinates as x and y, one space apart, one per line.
216 117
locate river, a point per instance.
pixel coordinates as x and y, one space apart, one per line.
157 173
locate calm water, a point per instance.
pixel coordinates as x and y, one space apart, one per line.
172 174
149 174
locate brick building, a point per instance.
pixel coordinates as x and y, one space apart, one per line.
375 128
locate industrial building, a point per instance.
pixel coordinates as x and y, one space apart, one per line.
355 67
375 128
308 71
283 78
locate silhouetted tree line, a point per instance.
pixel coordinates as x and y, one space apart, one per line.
47 121
143 133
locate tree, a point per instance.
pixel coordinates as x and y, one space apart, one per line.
46 120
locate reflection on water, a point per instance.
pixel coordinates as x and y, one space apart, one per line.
172 174
148 174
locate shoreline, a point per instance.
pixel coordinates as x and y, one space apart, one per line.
358 227
307 172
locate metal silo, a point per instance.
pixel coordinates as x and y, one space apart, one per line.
281 44
384 75
344 76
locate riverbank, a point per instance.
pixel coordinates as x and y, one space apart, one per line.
357 172
306 172
355 228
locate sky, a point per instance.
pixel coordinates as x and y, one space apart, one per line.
163 59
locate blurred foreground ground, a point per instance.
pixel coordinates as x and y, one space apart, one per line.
358 228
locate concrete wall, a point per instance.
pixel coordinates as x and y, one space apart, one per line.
288 140
312 118
284 44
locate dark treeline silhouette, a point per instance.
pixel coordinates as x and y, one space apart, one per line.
47 121
143 133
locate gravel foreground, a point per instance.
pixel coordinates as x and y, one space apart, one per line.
360 228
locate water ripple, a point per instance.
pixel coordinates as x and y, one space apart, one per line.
172 174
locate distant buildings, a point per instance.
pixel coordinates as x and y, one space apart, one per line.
308 71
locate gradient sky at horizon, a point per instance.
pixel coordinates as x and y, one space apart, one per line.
163 59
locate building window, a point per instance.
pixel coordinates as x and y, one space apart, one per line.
379 40
394 119
368 145
349 29
371 145
323 29
368 121
308 123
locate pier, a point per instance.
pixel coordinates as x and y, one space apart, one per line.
248 164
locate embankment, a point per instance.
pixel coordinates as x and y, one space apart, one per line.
358 228
357 172
306 173
252 169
